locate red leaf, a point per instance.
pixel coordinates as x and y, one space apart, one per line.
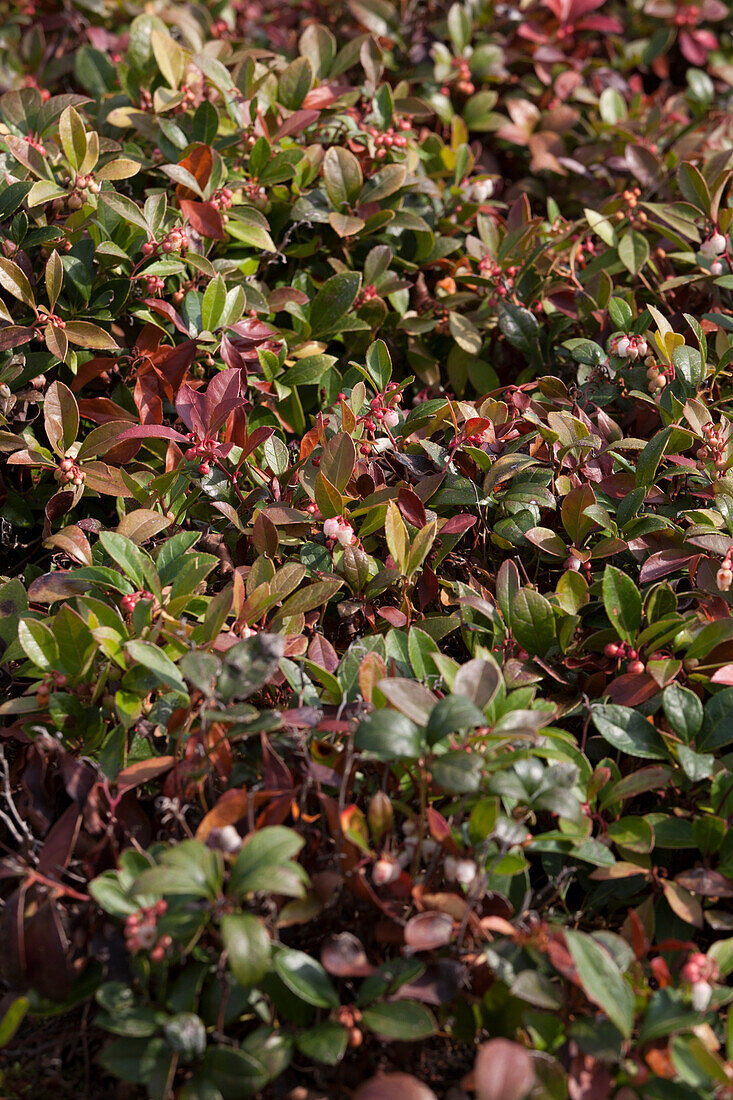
428 931
344 956
204 218
324 95
14 335
157 431
134 775
503 1071
393 616
412 507
632 688
440 830
394 1086
165 309
723 675
296 123
59 843
322 653
458 525
199 163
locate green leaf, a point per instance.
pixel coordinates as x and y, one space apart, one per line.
459 27
342 176
693 187
324 1043
306 978
126 209
451 714
159 663
237 1074
261 861
333 301
651 456
457 772
628 731
611 106
389 735
132 1060
520 327
109 894
134 562
683 710
688 364
410 698
533 622
379 364
38 644
717 728
633 251
308 371
247 945
622 601
12 1019
295 83
401 1020
187 868
602 980
620 313
213 303
338 460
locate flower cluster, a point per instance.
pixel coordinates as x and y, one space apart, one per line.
174 241
714 246
386 870
154 284
714 447
366 294
700 972
222 199
464 83
724 576
53 681
389 138
69 472
623 651
129 603
141 931
628 347
462 871
338 529
203 449
226 838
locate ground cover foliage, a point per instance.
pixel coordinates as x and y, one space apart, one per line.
367 541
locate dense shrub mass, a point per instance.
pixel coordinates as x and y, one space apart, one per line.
367 550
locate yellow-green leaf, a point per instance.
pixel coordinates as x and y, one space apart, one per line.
13 279
73 137
397 540
170 57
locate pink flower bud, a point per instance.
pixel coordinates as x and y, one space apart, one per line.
713 246
466 871
385 870
724 578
